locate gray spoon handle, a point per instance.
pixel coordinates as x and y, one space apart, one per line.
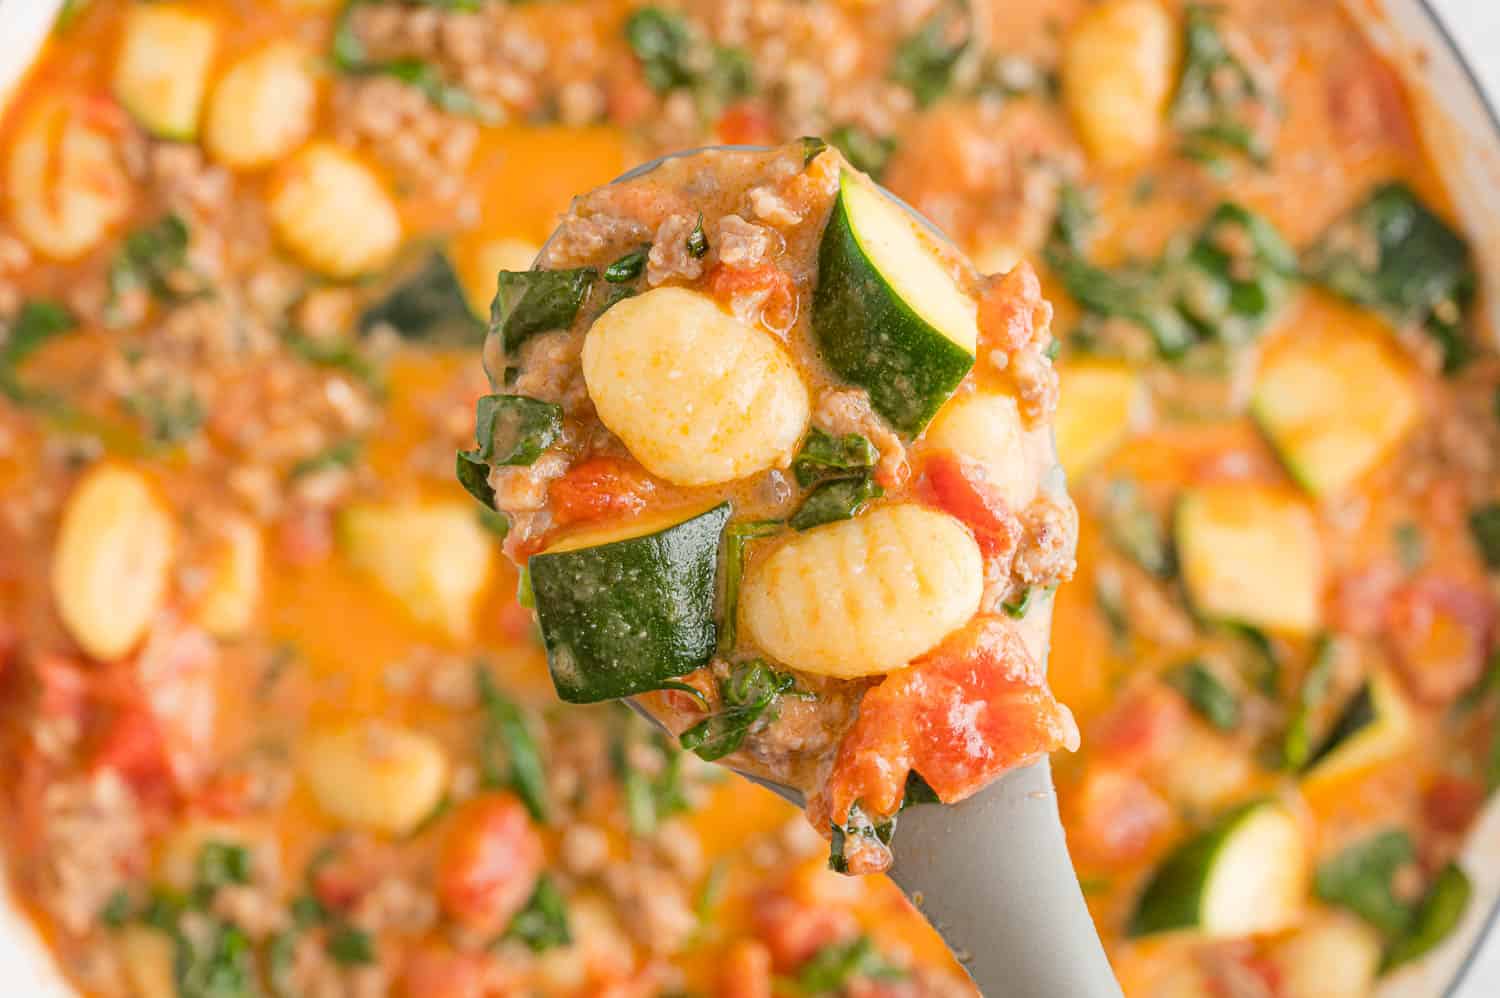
993 876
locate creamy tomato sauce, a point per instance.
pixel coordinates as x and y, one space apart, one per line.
244 607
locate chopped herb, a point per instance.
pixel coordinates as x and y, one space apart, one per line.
1392 254
838 964
341 454
864 150
37 322
528 302
1135 529
543 923
281 960
628 267
1296 746
154 259
1484 527
338 354
1411 546
307 911
429 305
219 865
216 962
812 147
858 826
351 57
925 62
493 522
1207 694
736 537
750 693
1360 879
1018 608
117 910
697 242
1264 666
1434 919
840 499
823 455
167 419
508 752
163 909
351 946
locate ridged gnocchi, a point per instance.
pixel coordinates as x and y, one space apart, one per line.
864 596
435 559
333 213
1118 65
110 567
66 186
987 428
226 606
161 69
375 775
696 395
262 107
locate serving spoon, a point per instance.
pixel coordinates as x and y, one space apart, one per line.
991 873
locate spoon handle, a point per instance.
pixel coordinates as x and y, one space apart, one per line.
993 876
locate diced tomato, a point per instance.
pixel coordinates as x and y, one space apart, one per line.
793 931
1440 632
1360 598
765 287
600 488
628 97
177 673
489 863
1143 728
746 971
1012 312
1115 817
304 536
435 971
1451 803
972 709
341 879
132 746
963 488
747 123
62 688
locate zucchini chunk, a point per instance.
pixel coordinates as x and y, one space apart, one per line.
161 71
262 107
1334 407
1094 409
888 315
1374 726
1251 555
1244 875
623 609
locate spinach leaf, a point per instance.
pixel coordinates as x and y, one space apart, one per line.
750 693
514 429
1359 879
823 455
858 826
628 267
650 797
1214 91
350 57
925 63
1018 608
1264 665
1109 597
674 55
528 302
427 305
812 146
153 258
37 322
1392 254
543 923
1484 527
864 150
335 354
220 864
1434 919
217 961
838 964
1134 528
918 791
350 946
508 752
736 537
697 242
341 454
1207 693
493 522
168 418
839 499
1296 744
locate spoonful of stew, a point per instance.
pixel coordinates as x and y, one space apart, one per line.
779 468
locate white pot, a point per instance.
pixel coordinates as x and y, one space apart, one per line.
1463 132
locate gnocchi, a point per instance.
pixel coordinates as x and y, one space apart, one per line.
375 775
333 213
987 428
66 185
148 957
696 395
226 607
435 559
1095 410
161 70
864 596
1333 957
262 108
1118 65
110 568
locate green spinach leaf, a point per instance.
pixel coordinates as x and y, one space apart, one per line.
428 305
823 455
1359 879
736 537
838 499
750 693
1435 918
543 923
1209 695
508 753
528 302
927 61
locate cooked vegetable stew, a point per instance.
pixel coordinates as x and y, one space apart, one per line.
277 711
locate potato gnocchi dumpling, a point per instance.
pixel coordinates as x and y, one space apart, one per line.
1119 63
262 107
375 775
865 596
333 213
67 187
161 71
696 395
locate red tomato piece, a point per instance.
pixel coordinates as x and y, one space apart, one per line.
1143 728
435 971
489 863
1116 816
963 488
600 488
1439 631
793 931
973 708
746 972
766 287
747 123
1451 803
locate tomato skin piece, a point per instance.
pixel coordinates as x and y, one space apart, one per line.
746 123
963 488
600 488
1115 817
973 708
1440 630
489 862
1143 729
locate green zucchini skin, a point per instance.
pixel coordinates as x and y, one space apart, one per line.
621 617
1174 898
872 339
1358 714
